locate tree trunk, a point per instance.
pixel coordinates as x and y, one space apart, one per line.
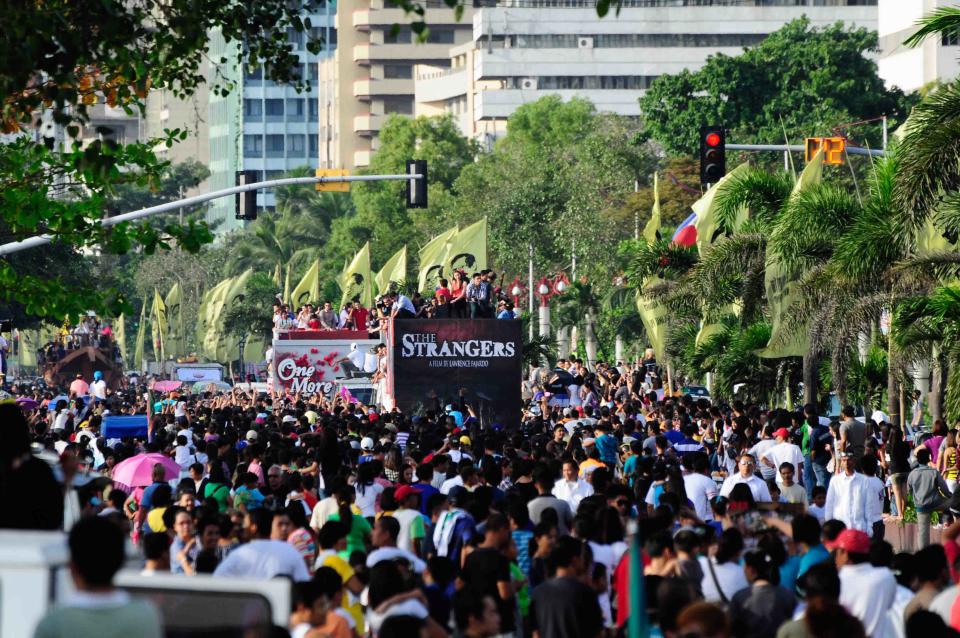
938 386
893 398
811 380
574 336
590 339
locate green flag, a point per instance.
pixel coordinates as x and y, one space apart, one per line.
467 250
176 339
780 283
431 260
158 324
356 280
227 344
652 230
707 222
141 337
393 272
308 290
213 310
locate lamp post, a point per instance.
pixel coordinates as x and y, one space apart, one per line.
545 291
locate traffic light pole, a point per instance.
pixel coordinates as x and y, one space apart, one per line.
40 240
799 148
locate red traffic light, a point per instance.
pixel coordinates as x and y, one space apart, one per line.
713 139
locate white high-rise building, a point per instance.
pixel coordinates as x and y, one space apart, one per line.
913 68
261 125
523 50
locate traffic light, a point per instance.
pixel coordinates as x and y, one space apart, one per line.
417 186
713 154
246 202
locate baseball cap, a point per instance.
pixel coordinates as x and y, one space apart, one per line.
404 491
252 435
458 494
366 443
465 440
782 432
567 412
390 427
289 419
851 540
97 375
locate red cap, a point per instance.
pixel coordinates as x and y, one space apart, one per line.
782 432
404 491
851 540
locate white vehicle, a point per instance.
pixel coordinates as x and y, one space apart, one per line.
34 576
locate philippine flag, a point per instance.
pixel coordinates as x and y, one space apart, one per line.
686 234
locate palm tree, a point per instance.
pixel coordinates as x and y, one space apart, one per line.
322 207
284 240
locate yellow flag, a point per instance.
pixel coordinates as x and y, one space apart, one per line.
29 342
393 272
227 344
176 339
213 310
432 256
706 222
286 285
158 323
141 337
277 277
780 282
120 335
467 250
653 314
356 280
308 290
652 229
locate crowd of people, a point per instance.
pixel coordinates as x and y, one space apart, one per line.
476 298
745 521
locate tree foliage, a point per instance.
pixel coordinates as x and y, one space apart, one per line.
799 81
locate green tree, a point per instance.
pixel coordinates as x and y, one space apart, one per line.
254 316
60 58
286 241
799 81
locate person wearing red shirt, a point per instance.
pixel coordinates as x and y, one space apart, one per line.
360 315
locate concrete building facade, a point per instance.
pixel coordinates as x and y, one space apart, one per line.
913 68
370 75
261 125
522 50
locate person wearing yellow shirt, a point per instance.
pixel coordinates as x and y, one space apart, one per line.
333 540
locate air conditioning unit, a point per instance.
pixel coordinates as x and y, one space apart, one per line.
585 43
528 83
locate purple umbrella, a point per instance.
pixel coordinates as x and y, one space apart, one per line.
27 403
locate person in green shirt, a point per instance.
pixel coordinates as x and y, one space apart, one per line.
98 609
358 538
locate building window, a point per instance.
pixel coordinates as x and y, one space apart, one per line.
274 145
441 35
398 71
253 110
403 35
314 150
578 82
295 38
253 146
626 40
273 109
296 110
951 39
296 145
400 104
314 109
253 77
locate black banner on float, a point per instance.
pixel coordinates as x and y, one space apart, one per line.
433 359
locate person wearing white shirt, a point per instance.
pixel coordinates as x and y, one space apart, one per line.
866 591
700 488
267 556
722 574
98 389
847 496
570 487
747 465
876 493
384 537
761 448
783 452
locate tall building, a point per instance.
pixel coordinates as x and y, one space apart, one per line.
370 75
166 111
261 125
522 50
911 69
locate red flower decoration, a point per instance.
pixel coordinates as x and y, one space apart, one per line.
314 351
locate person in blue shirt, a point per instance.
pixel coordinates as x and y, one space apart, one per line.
606 445
248 495
158 473
688 444
673 433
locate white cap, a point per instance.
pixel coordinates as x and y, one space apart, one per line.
252 435
567 412
289 419
354 444
589 441
366 443
880 417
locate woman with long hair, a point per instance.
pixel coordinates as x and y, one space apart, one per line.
302 537
934 443
218 488
897 459
458 295
760 609
368 491
947 462
358 534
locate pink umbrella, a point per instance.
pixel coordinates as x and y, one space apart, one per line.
138 470
167 386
